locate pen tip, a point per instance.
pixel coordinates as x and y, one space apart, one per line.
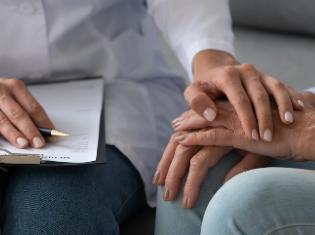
59 133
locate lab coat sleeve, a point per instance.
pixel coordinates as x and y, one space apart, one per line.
190 26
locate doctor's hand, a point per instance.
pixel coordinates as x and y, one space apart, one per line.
20 115
218 75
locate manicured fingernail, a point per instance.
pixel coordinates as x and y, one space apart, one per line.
156 178
37 142
166 194
22 142
255 135
268 135
186 203
288 116
209 114
301 103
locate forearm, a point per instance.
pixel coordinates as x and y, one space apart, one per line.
192 26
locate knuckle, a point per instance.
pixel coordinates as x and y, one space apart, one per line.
17 114
3 96
14 83
211 135
230 71
3 120
35 109
183 150
242 100
171 180
278 85
189 188
262 97
246 67
195 164
249 71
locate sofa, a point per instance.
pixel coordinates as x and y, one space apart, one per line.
276 36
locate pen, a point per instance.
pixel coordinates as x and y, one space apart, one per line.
52 132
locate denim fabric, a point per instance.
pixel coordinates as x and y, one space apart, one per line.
173 219
270 201
72 200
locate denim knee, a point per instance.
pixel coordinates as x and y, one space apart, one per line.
256 202
171 218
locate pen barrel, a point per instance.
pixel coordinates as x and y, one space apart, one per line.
45 131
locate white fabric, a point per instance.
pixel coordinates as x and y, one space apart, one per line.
58 39
312 89
192 26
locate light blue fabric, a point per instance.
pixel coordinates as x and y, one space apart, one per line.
270 201
252 203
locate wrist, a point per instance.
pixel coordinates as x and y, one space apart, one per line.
306 141
210 59
309 97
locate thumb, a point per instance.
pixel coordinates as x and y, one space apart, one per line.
200 102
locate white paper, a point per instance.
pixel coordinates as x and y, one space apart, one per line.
75 108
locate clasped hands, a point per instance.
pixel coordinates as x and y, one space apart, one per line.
232 106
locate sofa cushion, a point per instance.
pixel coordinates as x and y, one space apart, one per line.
289 58
285 15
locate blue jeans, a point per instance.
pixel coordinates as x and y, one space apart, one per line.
273 201
72 200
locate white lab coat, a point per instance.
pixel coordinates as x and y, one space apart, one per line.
66 39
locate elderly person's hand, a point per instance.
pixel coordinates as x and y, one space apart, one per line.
219 75
178 159
292 142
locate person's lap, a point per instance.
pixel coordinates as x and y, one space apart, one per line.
271 201
72 200
173 219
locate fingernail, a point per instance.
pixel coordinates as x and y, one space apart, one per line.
268 135
176 120
156 178
186 203
177 124
37 142
288 117
301 103
166 194
22 142
209 114
255 134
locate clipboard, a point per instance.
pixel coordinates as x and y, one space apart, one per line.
9 159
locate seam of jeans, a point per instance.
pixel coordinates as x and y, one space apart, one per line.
127 200
289 226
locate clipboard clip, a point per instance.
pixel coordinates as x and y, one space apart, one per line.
19 158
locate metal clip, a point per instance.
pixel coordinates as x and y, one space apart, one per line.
19 158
